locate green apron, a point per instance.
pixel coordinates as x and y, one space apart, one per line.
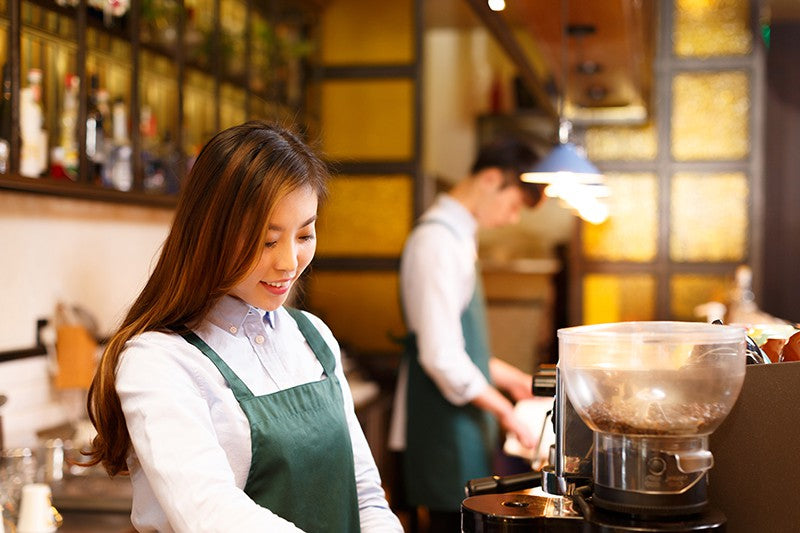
447 445
302 465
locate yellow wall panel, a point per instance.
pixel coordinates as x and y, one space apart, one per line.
355 32
368 119
709 217
366 216
616 298
710 116
631 231
712 28
690 290
361 308
622 143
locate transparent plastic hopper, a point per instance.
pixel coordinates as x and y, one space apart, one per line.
652 392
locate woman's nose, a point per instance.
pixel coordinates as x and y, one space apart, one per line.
286 259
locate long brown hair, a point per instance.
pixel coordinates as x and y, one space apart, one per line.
216 237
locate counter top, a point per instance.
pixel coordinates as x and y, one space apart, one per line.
93 493
95 522
532 265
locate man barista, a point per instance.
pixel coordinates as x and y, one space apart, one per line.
448 401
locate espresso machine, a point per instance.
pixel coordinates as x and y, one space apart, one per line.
634 405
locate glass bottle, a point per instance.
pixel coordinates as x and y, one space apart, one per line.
33 152
68 143
151 164
5 119
95 131
118 171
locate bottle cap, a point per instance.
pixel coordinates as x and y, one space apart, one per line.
34 75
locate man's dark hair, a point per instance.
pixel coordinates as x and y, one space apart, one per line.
514 157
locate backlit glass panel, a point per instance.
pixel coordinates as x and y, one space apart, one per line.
631 231
616 298
361 308
710 117
712 28
621 143
690 290
366 216
709 217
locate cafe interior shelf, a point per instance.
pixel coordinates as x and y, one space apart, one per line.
114 105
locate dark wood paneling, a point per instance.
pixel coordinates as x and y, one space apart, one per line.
781 259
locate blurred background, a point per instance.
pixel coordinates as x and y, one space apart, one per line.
688 108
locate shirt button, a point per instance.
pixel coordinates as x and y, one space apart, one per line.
259 339
233 329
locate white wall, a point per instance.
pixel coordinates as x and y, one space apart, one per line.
94 254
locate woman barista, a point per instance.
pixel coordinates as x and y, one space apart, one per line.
448 396
230 411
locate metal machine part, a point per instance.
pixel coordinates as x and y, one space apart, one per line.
614 478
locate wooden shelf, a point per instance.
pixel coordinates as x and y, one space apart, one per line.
45 21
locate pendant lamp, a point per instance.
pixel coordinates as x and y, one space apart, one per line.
564 162
569 175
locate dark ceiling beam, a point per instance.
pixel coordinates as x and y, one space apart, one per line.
495 23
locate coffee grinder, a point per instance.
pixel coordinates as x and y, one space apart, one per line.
634 405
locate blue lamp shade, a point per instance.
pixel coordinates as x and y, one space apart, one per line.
564 161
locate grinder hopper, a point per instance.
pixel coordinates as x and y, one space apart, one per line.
652 392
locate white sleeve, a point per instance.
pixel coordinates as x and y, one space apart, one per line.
176 444
433 280
374 511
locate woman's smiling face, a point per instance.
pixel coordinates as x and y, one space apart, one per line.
289 248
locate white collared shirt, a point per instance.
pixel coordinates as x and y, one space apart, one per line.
437 280
191 439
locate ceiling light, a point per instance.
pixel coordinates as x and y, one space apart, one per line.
497 5
564 162
569 174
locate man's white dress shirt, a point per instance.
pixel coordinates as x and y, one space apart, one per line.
437 281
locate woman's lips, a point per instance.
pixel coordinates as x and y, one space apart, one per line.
277 287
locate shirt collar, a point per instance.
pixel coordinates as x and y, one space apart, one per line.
230 313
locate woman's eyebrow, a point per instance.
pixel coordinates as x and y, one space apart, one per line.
304 224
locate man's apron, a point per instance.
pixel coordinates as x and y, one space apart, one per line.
447 445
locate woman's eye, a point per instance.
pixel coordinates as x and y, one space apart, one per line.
306 238
270 244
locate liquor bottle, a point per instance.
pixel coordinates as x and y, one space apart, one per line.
95 132
5 119
152 165
171 163
118 171
33 152
742 307
69 121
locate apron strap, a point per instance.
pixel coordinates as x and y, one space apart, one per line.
240 390
315 340
441 222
